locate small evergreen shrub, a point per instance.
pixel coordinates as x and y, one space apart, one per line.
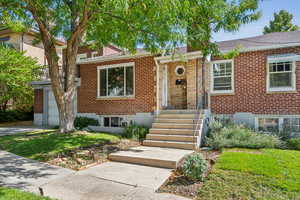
293 143
137 132
83 122
240 136
16 115
195 166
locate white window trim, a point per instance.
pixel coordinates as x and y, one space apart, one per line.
81 56
212 77
94 53
131 64
280 121
281 89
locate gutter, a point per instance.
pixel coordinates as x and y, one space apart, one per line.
261 48
113 57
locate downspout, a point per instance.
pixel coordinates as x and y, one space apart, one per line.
157 85
197 84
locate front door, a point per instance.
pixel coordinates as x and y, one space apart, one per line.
177 87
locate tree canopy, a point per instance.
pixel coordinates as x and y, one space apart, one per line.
16 73
155 24
282 22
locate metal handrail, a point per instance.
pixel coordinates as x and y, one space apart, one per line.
196 121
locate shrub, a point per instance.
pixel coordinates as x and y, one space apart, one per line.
239 136
195 166
83 122
293 143
134 131
16 115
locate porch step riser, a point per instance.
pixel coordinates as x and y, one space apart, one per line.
171 138
171 132
172 126
177 121
154 143
144 161
178 112
177 116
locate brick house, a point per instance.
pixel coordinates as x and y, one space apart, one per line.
260 87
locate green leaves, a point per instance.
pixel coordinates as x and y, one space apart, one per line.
282 23
16 73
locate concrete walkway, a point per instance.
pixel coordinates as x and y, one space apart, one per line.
108 181
17 129
112 181
26 174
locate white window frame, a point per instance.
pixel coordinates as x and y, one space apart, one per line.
131 64
280 121
282 89
94 53
81 56
212 77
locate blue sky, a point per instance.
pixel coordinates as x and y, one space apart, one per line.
268 7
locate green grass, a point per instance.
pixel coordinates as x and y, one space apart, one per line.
12 194
254 174
45 145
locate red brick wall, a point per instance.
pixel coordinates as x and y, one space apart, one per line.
38 101
144 89
250 87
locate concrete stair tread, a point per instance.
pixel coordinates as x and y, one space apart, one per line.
152 156
168 123
172 135
175 142
168 154
175 129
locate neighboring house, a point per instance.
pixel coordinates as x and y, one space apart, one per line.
26 42
260 87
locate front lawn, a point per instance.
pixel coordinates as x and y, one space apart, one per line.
254 174
13 194
73 151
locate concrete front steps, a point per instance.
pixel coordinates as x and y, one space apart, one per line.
173 129
169 140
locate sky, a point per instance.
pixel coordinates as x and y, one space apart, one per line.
268 7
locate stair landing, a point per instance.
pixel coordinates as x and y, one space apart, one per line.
151 156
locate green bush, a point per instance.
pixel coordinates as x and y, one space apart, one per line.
293 143
137 132
195 166
83 122
16 115
240 136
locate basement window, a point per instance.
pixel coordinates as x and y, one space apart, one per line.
268 124
291 125
116 80
114 122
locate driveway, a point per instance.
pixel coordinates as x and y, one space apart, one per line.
108 181
17 129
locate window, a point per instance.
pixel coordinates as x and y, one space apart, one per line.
281 76
114 122
180 70
94 54
291 125
82 56
116 80
268 124
222 77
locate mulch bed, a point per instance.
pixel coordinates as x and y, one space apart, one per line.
84 157
180 185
